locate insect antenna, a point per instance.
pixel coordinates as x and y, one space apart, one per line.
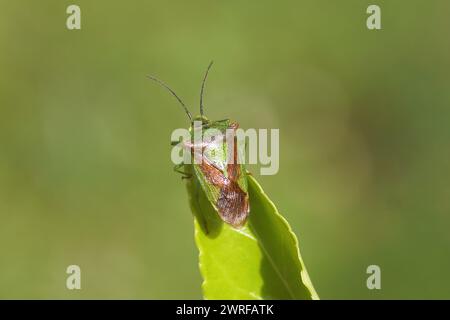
203 87
173 93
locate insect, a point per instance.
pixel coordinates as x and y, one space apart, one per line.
222 178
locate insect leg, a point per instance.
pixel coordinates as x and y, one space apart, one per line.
185 175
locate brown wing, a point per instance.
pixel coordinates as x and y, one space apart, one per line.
233 205
213 175
234 168
233 201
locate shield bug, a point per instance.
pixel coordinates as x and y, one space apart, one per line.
217 169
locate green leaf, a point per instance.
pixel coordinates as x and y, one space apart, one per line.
259 261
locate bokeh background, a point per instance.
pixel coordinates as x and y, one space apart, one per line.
85 170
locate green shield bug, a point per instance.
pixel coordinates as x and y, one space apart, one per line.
216 167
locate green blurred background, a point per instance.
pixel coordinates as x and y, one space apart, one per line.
85 170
